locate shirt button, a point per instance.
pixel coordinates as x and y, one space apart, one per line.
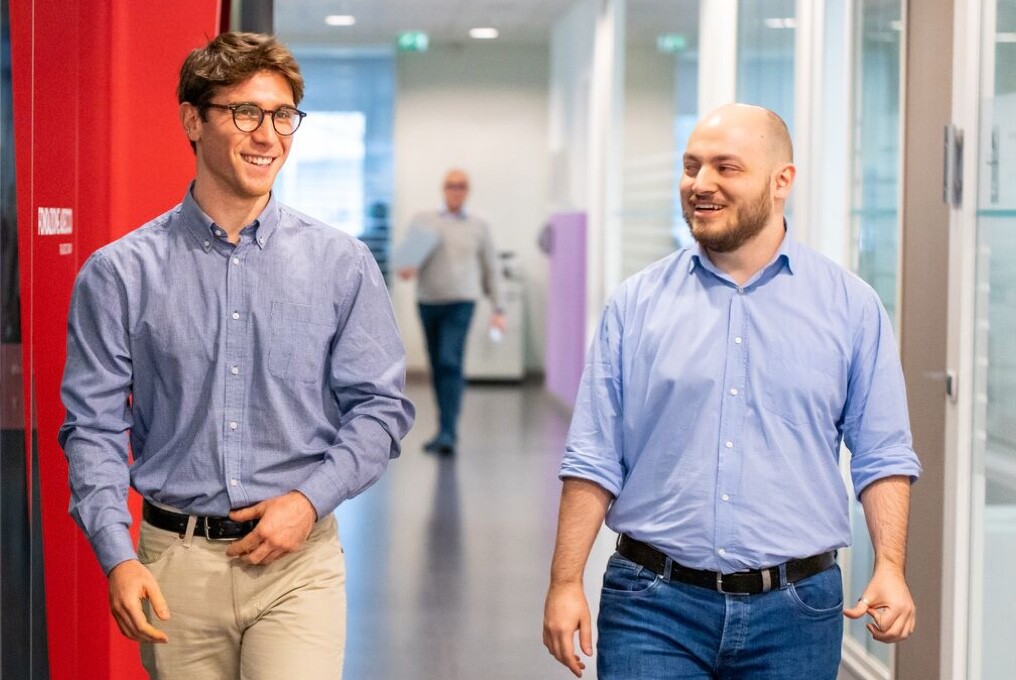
740 291
737 340
235 370
733 391
218 232
261 240
233 482
236 260
722 551
729 445
233 425
236 315
725 497
207 244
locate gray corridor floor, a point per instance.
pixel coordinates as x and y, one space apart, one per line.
448 558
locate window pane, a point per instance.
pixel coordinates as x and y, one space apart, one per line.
765 55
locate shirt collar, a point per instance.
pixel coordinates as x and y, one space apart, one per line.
204 229
459 215
786 254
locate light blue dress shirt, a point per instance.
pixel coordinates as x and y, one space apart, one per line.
240 372
714 412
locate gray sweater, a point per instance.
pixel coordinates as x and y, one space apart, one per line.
463 265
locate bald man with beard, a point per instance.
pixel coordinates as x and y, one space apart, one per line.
719 387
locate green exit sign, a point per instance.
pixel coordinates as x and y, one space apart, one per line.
413 41
671 43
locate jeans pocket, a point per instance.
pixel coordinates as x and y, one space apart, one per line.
626 578
155 545
819 595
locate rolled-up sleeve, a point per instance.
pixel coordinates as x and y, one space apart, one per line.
876 423
95 392
594 449
367 377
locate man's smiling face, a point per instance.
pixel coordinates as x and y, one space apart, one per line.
235 165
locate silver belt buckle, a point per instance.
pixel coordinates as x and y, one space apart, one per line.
209 537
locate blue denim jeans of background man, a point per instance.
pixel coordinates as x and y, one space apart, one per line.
652 629
446 326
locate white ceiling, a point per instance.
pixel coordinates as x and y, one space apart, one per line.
378 22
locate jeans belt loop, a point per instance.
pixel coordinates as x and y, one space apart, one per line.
767 580
668 567
783 575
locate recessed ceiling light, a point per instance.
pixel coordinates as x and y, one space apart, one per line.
483 33
340 20
780 22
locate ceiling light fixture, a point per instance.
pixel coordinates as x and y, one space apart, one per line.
780 22
340 20
483 33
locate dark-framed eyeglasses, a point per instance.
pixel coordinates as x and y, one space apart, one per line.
248 117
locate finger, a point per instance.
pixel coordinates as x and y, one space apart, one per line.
585 635
248 513
245 545
157 601
143 631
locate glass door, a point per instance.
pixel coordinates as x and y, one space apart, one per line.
992 628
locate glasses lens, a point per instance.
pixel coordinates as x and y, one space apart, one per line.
247 117
456 186
286 120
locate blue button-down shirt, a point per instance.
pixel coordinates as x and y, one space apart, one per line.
252 369
714 412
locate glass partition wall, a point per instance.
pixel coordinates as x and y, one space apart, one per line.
660 107
992 628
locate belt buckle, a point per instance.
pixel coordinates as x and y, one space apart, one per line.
208 535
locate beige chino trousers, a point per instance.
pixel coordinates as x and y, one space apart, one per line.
235 621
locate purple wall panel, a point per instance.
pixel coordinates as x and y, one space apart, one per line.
566 306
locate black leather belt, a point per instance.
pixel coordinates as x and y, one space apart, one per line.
751 582
212 528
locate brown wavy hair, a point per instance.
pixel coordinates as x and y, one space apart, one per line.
231 58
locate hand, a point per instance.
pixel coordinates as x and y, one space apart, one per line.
406 273
565 612
130 583
887 601
284 523
499 321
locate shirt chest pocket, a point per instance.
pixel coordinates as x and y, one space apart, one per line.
805 388
300 339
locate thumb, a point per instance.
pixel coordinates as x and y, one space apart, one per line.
248 513
857 611
157 601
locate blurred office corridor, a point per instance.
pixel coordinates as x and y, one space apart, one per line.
447 558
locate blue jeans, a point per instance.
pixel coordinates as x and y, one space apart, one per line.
651 629
446 326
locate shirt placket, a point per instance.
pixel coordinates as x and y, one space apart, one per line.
730 453
237 370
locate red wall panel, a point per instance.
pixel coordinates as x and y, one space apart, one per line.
97 139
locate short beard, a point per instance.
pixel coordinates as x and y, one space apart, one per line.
748 226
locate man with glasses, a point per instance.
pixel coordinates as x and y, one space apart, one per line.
252 355
461 268
707 430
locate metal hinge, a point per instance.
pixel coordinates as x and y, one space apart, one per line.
952 175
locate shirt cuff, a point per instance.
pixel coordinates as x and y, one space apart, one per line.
113 545
871 467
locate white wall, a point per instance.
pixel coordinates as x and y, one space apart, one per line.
481 107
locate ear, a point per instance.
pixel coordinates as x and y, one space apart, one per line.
191 121
783 179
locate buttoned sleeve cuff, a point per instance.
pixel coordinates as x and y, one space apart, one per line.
607 475
876 465
113 545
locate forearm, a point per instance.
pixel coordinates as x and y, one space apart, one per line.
886 505
583 508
